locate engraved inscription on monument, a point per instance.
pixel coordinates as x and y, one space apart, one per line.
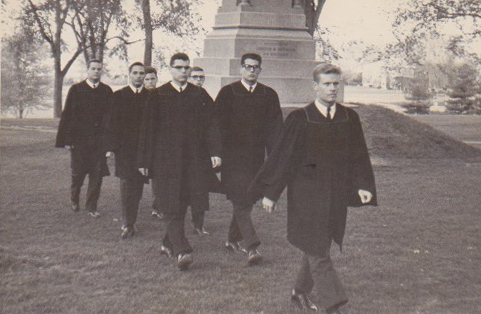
277 49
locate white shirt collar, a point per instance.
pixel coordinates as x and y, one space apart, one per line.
323 109
91 84
177 87
134 89
247 86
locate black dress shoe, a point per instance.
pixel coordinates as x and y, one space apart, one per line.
127 232
235 247
302 301
201 231
75 206
184 260
94 214
254 257
167 251
157 214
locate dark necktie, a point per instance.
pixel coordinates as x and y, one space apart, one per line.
137 90
180 89
329 113
250 89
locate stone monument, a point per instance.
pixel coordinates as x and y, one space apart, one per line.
275 29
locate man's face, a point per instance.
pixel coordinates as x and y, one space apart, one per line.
136 75
180 71
197 78
327 87
150 81
250 71
94 71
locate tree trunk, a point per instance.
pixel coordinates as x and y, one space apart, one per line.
148 32
57 89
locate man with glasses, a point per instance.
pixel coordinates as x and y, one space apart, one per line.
80 131
122 139
179 125
250 118
197 76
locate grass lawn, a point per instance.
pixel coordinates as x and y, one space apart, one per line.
418 252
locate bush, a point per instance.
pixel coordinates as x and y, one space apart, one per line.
416 108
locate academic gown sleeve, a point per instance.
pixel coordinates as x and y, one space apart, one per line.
110 141
362 173
146 133
64 134
213 137
283 161
274 121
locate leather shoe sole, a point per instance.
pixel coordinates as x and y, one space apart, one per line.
166 251
184 261
303 302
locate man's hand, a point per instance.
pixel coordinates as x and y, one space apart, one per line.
216 161
268 205
69 147
144 171
109 154
365 196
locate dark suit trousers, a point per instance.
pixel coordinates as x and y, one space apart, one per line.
197 217
83 162
241 226
318 271
130 196
174 237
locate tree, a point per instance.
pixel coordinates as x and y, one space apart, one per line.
91 22
48 20
174 17
312 9
464 86
24 79
456 22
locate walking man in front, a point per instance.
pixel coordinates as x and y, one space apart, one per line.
179 125
250 118
322 158
122 140
80 131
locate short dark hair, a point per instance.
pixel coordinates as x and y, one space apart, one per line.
196 69
179 56
251 55
325 68
138 63
149 69
93 61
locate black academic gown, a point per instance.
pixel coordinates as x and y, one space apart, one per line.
250 124
122 127
177 129
323 163
81 125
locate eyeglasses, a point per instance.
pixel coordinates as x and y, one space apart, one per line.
250 67
198 77
180 67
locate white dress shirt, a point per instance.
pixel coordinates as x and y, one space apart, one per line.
323 109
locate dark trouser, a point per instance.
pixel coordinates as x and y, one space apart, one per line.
175 233
155 206
198 218
241 226
130 196
318 271
86 161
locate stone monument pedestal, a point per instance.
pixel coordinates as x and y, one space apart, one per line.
274 29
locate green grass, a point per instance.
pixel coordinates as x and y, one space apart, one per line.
418 252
